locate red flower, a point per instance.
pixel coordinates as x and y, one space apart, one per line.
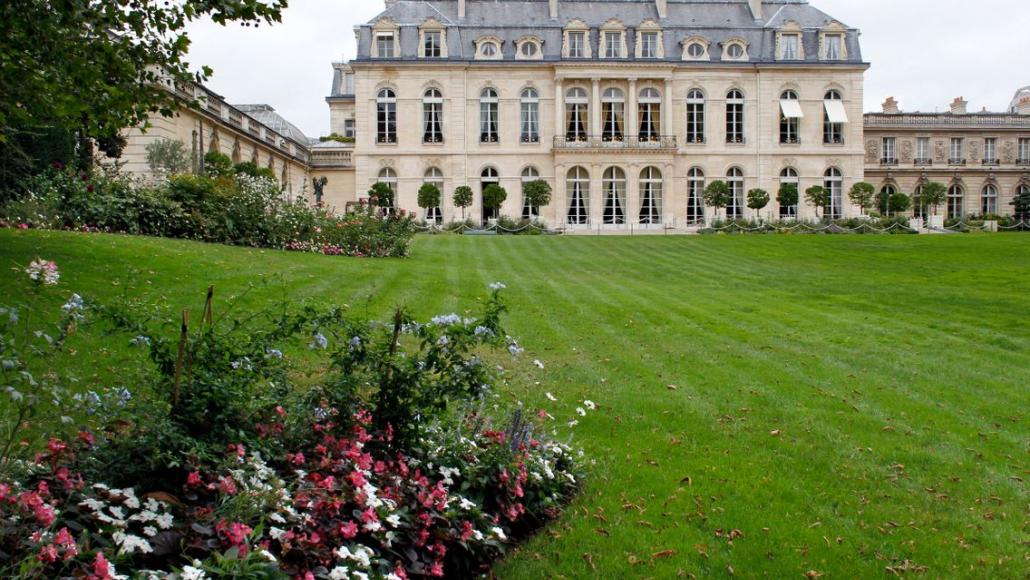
48 554
101 569
193 480
348 530
56 446
87 438
227 485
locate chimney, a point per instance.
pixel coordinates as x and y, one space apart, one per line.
1023 106
958 106
756 9
662 6
461 9
554 9
890 106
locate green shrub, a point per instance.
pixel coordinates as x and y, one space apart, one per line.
167 156
218 164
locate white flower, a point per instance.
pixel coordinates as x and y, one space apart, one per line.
360 575
551 397
446 320
140 341
277 518
276 533
164 521
43 271
354 343
538 363
339 573
573 423
191 573
466 504
74 306
150 531
482 330
444 341
589 404
268 555
497 286
394 520
581 412
131 544
499 533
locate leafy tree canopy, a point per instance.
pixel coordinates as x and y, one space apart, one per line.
717 194
538 192
494 196
787 195
428 196
757 199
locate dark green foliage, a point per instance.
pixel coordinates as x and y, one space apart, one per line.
381 195
463 198
428 196
933 195
250 168
717 195
494 196
167 157
757 199
861 194
787 194
817 196
537 193
217 164
1021 205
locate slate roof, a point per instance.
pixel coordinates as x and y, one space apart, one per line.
715 20
267 116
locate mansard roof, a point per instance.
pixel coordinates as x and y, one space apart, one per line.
715 20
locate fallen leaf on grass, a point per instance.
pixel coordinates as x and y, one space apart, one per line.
590 560
663 554
775 432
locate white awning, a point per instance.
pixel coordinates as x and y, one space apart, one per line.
835 111
791 108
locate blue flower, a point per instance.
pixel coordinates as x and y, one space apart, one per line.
319 341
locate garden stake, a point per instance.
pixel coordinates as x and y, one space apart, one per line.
182 351
207 307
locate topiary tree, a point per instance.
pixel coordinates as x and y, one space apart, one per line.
898 202
218 164
167 157
463 199
717 195
493 197
429 199
933 195
381 195
537 194
818 197
1021 204
757 199
861 194
787 196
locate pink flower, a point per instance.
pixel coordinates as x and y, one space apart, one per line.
227 485
297 459
101 569
48 554
193 479
436 569
234 533
348 530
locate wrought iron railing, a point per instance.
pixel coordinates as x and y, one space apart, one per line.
609 142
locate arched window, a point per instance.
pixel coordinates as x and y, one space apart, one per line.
956 202
695 116
613 112
614 186
917 206
576 114
834 183
789 179
650 196
488 101
577 186
528 211
833 127
790 117
435 177
432 116
735 179
529 101
989 200
883 200
388 177
488 177
1021 212
650 114
695 196
386 116
735 117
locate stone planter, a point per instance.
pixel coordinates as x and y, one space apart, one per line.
916 224
936 222
990 225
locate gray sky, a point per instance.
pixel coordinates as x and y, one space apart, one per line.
923 52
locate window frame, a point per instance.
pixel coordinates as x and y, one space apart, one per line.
432 116
790 127
652 184
695 196
489 116
735 120
386 116
613 188
529 115
696 116
578 193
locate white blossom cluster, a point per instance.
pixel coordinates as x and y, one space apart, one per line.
134 521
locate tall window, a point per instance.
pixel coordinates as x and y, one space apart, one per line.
735 179
649 45
917 205
695 116
889 151
956 202
613 44
834 183
576 111
432 116
348 128
650 115
650 196
388 177
613 113
432 43
528 211
789 176
530 116
1024 152
577 44
577 187
435 177
384 45
790 46
614 185
695 196
487 178
834 44
989 200
488 116
735 117
790 117
386 117
833 128
990 151
958 156
922 151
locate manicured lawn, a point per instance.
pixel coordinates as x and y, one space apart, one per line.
847 403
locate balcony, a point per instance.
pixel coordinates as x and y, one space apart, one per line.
923 162
334 157
991 162
956 161
616 143
1023 162
889 161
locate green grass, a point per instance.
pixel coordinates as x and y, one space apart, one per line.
894 372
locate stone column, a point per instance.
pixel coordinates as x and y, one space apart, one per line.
667 114
595 108
631 111
559 109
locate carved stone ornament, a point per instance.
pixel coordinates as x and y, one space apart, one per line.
790 162
386 162
974 150
938 151
1008 152
906 151
872 151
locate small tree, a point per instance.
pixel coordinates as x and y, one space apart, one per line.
787 196
218 164
167 157
537 194
898 202
1021 204
381 195
818 197
861 194
429 199
494 196
463 199
717 195
933 195
757 199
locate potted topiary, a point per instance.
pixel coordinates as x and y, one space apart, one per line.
463 199
932 196
757 199
493 198
717 195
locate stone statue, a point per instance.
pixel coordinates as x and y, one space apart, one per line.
319 183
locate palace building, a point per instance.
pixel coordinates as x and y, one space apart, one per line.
627 108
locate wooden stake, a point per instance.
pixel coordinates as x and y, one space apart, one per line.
183 334
208 310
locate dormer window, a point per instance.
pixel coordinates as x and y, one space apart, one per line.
695 48
488 48
528 48
790 46
613 39
832 42
612 45
384 44
577 45
431 45
576 39
735 50
649 40
833 46
648 45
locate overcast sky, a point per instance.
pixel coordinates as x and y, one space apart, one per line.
923 52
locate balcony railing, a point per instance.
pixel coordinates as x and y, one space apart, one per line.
332 158
889 161
610 142
1023 162
923 162
991 162
956 161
